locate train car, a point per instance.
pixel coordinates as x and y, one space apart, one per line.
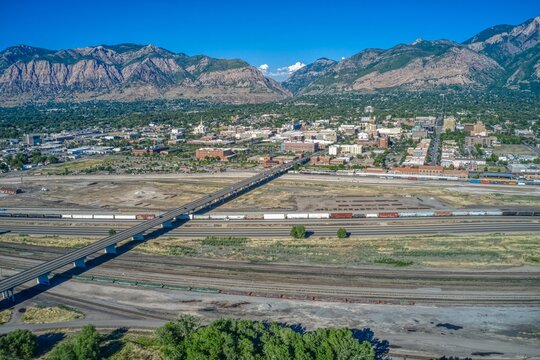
441 213
358 216
145 216
474 181
67 216
341 216
424 213
460 213
509 213
536 213
38 216
372 215
494 213
274 216
82 216
237 217
319 216
254 217
219 217
407 214
525 213
4 214
477 213
52 216
297 216
19 215
125 217
183 217
104 216
201 217
388 214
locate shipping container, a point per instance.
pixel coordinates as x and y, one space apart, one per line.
477 213
319 216
494 213
103 216
474 181
340 215
274 216
372 215
525 213
388 214
67 216
297 216
125 217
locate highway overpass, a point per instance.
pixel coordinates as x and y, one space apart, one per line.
41 272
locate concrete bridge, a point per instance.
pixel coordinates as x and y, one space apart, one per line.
40 273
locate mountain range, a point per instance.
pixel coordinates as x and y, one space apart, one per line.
503 56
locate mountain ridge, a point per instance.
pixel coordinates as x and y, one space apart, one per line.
128 72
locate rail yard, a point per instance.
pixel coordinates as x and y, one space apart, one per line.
231 278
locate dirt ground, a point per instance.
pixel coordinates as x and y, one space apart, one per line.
291 192
464 331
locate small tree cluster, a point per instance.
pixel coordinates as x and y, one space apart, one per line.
298 232
18 344
84 346
342 233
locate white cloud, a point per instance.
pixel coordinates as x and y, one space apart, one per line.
343 58
288 70
264 68
281 73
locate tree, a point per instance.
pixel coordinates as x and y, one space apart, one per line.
173 336
84 346
112 232
18 344
342 233
298 232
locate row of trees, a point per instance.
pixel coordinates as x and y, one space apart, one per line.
299 232
184 338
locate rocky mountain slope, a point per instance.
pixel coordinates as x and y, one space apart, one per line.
503 55
128 72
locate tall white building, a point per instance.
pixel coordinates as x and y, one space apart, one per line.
200 129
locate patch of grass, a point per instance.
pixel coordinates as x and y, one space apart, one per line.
51 314
535 260
5 315
223 241
393 262
180 251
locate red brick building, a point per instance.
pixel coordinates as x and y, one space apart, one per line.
221 154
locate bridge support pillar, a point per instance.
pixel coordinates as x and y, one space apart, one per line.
111 249
138 237
167 225
80 263
43 279
8 294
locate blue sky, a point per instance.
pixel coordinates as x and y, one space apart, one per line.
277 33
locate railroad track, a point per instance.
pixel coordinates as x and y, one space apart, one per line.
314 292
130 260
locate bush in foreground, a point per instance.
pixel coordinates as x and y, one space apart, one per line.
84 346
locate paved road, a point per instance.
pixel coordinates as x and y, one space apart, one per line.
281 231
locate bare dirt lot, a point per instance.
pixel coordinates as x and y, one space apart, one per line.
291 192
